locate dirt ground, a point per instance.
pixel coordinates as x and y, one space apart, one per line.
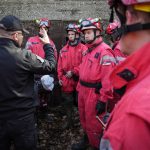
51 136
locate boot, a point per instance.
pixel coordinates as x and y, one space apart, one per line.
49 118
93 148
69 119
66 126
82 145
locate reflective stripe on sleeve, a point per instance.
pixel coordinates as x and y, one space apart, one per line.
107 60
119 58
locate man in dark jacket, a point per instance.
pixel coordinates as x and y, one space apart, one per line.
17 70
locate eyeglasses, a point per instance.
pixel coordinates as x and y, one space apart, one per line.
17 32
20 33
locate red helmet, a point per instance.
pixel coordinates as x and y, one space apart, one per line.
90 23
132 2
141 5
44 22
144 4
73 27
111 27
110 2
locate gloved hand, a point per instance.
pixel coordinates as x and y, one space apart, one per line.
60 82
100 107
69 74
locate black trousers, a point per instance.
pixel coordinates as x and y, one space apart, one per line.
21 132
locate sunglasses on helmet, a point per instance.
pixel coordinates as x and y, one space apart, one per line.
42 23
71 26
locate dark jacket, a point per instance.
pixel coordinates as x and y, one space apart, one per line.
17 69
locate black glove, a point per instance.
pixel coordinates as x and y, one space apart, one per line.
100 107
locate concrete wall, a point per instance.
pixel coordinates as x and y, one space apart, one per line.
60 12
54 9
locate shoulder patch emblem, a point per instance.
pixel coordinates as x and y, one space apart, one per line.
96 55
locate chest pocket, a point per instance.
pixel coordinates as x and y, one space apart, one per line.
64 54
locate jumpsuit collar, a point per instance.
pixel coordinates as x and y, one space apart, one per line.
74 43
99 40
116 45
94 45
134 68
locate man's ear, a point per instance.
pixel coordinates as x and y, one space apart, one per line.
131 18
15 36
98 32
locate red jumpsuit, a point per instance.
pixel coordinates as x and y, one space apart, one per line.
118 54
36 46
70 57
128 127
120 57
95 68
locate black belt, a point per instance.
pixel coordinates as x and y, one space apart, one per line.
97 86
120 91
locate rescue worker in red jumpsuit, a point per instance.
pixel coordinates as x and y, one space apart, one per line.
94 86
70 57
112 32
36 46
128 127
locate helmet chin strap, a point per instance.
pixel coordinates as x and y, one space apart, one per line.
124 29
115 36
89 41
121 17
75 42
95 37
